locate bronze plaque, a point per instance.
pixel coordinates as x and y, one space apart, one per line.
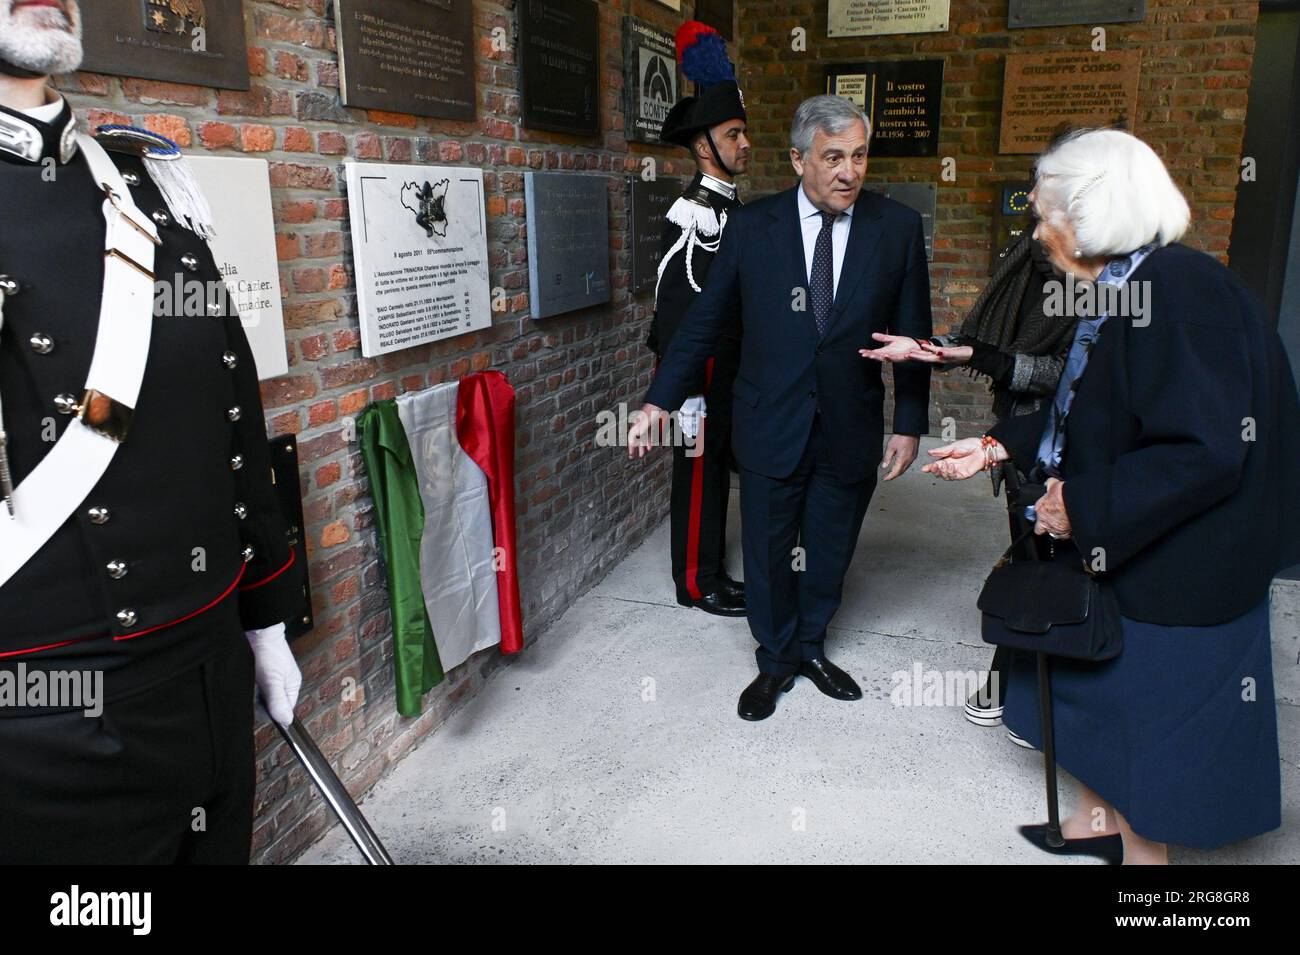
559 46
178 41
902 97
1059 13
1045 93
407 56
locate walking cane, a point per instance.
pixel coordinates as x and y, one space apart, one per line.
1053 836
333 792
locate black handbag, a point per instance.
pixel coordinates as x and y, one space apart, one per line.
1053 606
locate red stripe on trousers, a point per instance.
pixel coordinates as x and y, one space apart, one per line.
697 501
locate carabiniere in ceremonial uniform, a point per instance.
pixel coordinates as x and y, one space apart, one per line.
140 535
711 125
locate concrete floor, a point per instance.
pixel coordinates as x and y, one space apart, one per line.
614 739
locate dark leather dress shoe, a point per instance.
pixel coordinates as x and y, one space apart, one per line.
830 679
719 602
736 588
1110 848
758 700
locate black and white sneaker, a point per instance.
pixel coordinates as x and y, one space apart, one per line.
1020 740
984 708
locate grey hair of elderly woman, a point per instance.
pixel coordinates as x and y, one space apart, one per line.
830 114
1114 191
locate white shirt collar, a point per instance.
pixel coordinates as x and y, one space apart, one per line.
47 113
806 207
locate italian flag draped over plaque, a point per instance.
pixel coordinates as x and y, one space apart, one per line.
441 466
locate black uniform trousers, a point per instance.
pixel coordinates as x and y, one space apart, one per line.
701 484
792 596
163 776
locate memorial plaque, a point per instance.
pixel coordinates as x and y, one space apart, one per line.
179 41
650 204
1046 92
1059 13
559 65
288 494
244 249
718 14
903 99
419 239
568 241
672 4
1011 217
407 56
884 17
649 80
921 196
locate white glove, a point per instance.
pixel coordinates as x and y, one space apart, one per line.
689 415
277 673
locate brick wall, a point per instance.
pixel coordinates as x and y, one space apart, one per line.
580 509
1196 63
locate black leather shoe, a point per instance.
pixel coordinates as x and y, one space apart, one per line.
1110 848
830 679
758 700
735 588
718 602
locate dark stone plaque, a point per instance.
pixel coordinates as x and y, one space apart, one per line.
407 56
568 241
920 196
649 80
903 99
717 14
1044 93
288 492
650 203
178 41
559 47
1058 13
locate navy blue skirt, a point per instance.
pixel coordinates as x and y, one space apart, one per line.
1179 732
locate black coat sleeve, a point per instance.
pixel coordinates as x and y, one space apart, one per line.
913 318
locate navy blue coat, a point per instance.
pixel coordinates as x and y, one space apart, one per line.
1195 519
786 372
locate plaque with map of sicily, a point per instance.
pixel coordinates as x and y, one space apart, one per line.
419 238
178 41
407 56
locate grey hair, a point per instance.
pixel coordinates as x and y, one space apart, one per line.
830 114
1113 189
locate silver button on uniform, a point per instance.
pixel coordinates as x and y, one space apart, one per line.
127 618
236 462
8 285
235 413
99 515
230 359
131 178
161 219
116 569
190 261
41 343
241 511
247 553
65 404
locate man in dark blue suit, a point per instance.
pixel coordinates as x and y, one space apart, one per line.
816 273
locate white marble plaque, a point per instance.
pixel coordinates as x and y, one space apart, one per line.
239 192
882 17
419 239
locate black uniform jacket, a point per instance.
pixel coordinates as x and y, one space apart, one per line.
184 525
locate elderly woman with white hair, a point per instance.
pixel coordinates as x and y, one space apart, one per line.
1171 465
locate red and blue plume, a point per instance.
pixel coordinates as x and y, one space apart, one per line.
702 52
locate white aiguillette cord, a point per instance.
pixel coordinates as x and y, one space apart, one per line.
66 475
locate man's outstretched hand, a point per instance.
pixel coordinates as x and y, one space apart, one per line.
899 454
895 348
649 421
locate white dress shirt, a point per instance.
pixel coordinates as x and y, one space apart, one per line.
810 223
